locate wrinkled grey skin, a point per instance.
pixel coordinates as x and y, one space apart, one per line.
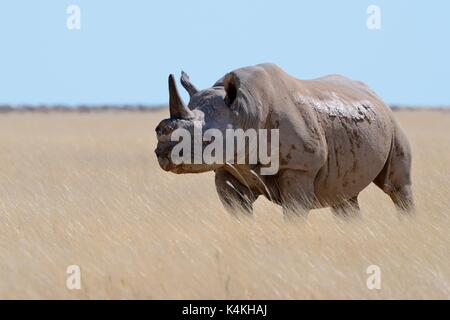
336 137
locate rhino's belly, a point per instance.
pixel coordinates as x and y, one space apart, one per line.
357 152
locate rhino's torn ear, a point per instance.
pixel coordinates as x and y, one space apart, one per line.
187 84
231 84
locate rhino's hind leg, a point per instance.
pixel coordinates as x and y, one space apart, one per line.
401 195
236 197
403 198
347 209
395 178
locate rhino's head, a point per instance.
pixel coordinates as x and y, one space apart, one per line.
212 108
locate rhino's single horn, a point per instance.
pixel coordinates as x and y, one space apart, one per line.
176 105
190 88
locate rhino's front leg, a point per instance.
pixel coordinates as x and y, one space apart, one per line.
297 193
236 197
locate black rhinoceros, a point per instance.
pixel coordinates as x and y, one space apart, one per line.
336 136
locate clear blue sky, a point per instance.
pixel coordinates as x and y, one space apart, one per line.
126 49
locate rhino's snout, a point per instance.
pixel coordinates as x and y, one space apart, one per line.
163 133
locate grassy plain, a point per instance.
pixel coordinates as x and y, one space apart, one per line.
86 189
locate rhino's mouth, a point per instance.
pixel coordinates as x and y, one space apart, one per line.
163 156
166 164
169 166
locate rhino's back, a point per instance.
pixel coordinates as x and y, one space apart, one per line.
358 130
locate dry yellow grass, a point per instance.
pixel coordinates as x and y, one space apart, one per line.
86 189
